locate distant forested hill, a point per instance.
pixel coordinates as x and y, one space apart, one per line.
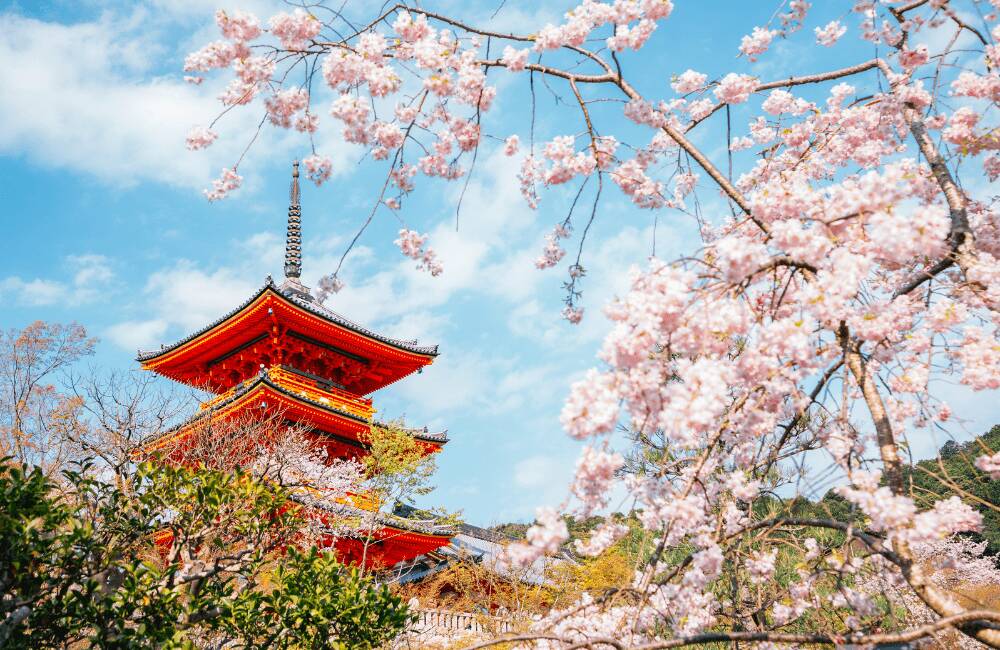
952 472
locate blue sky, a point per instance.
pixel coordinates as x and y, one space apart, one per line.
104 222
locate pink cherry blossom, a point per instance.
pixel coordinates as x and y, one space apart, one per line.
550 531
595 471
227 182
329 285
307 122
914 57
284 104
515 60
552 252
238 26
409 29
592 408
735 88
510 145
219 54
254 69
603 537
631 37
296 29
412 244
200 137
830 33
990 465
760 565
634 182
689 81
318 168
782 101
700 108
756 43
741 143
979 354
991 166
388 135
545 537
961 127
970 84
898 240
738 257
741 488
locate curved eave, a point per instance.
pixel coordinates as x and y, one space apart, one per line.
307 306
264 381
242 395
437 437
386 521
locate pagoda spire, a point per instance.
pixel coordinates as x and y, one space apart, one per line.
293 238
293 242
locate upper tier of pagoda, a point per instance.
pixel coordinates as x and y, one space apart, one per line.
279 326
286 326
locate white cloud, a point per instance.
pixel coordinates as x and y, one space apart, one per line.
36 293
91 276
481 256
535 471
266 248
545 481
190 298
90 97
77 106
137 335
181 299
454 382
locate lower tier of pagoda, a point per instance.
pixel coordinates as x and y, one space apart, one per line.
235 425
388 542
378 540
337 420
389 547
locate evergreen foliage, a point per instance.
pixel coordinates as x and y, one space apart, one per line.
178 557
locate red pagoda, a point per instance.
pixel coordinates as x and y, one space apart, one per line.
281 351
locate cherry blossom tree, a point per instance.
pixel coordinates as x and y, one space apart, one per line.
847 269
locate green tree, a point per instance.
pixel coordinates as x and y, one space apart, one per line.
954 472
398 468
315 602
184 556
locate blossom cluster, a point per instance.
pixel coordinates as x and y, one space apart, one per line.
413 245
228 181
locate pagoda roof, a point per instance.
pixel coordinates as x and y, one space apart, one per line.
424 527
181 360
311 305
263 381
418 433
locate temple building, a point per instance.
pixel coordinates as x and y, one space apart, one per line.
282 352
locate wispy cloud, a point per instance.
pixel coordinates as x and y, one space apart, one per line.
179 299
95 97
90 277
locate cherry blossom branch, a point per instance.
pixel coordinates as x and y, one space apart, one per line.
912 572
794 81
960 237
883 428
982 617
899 14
